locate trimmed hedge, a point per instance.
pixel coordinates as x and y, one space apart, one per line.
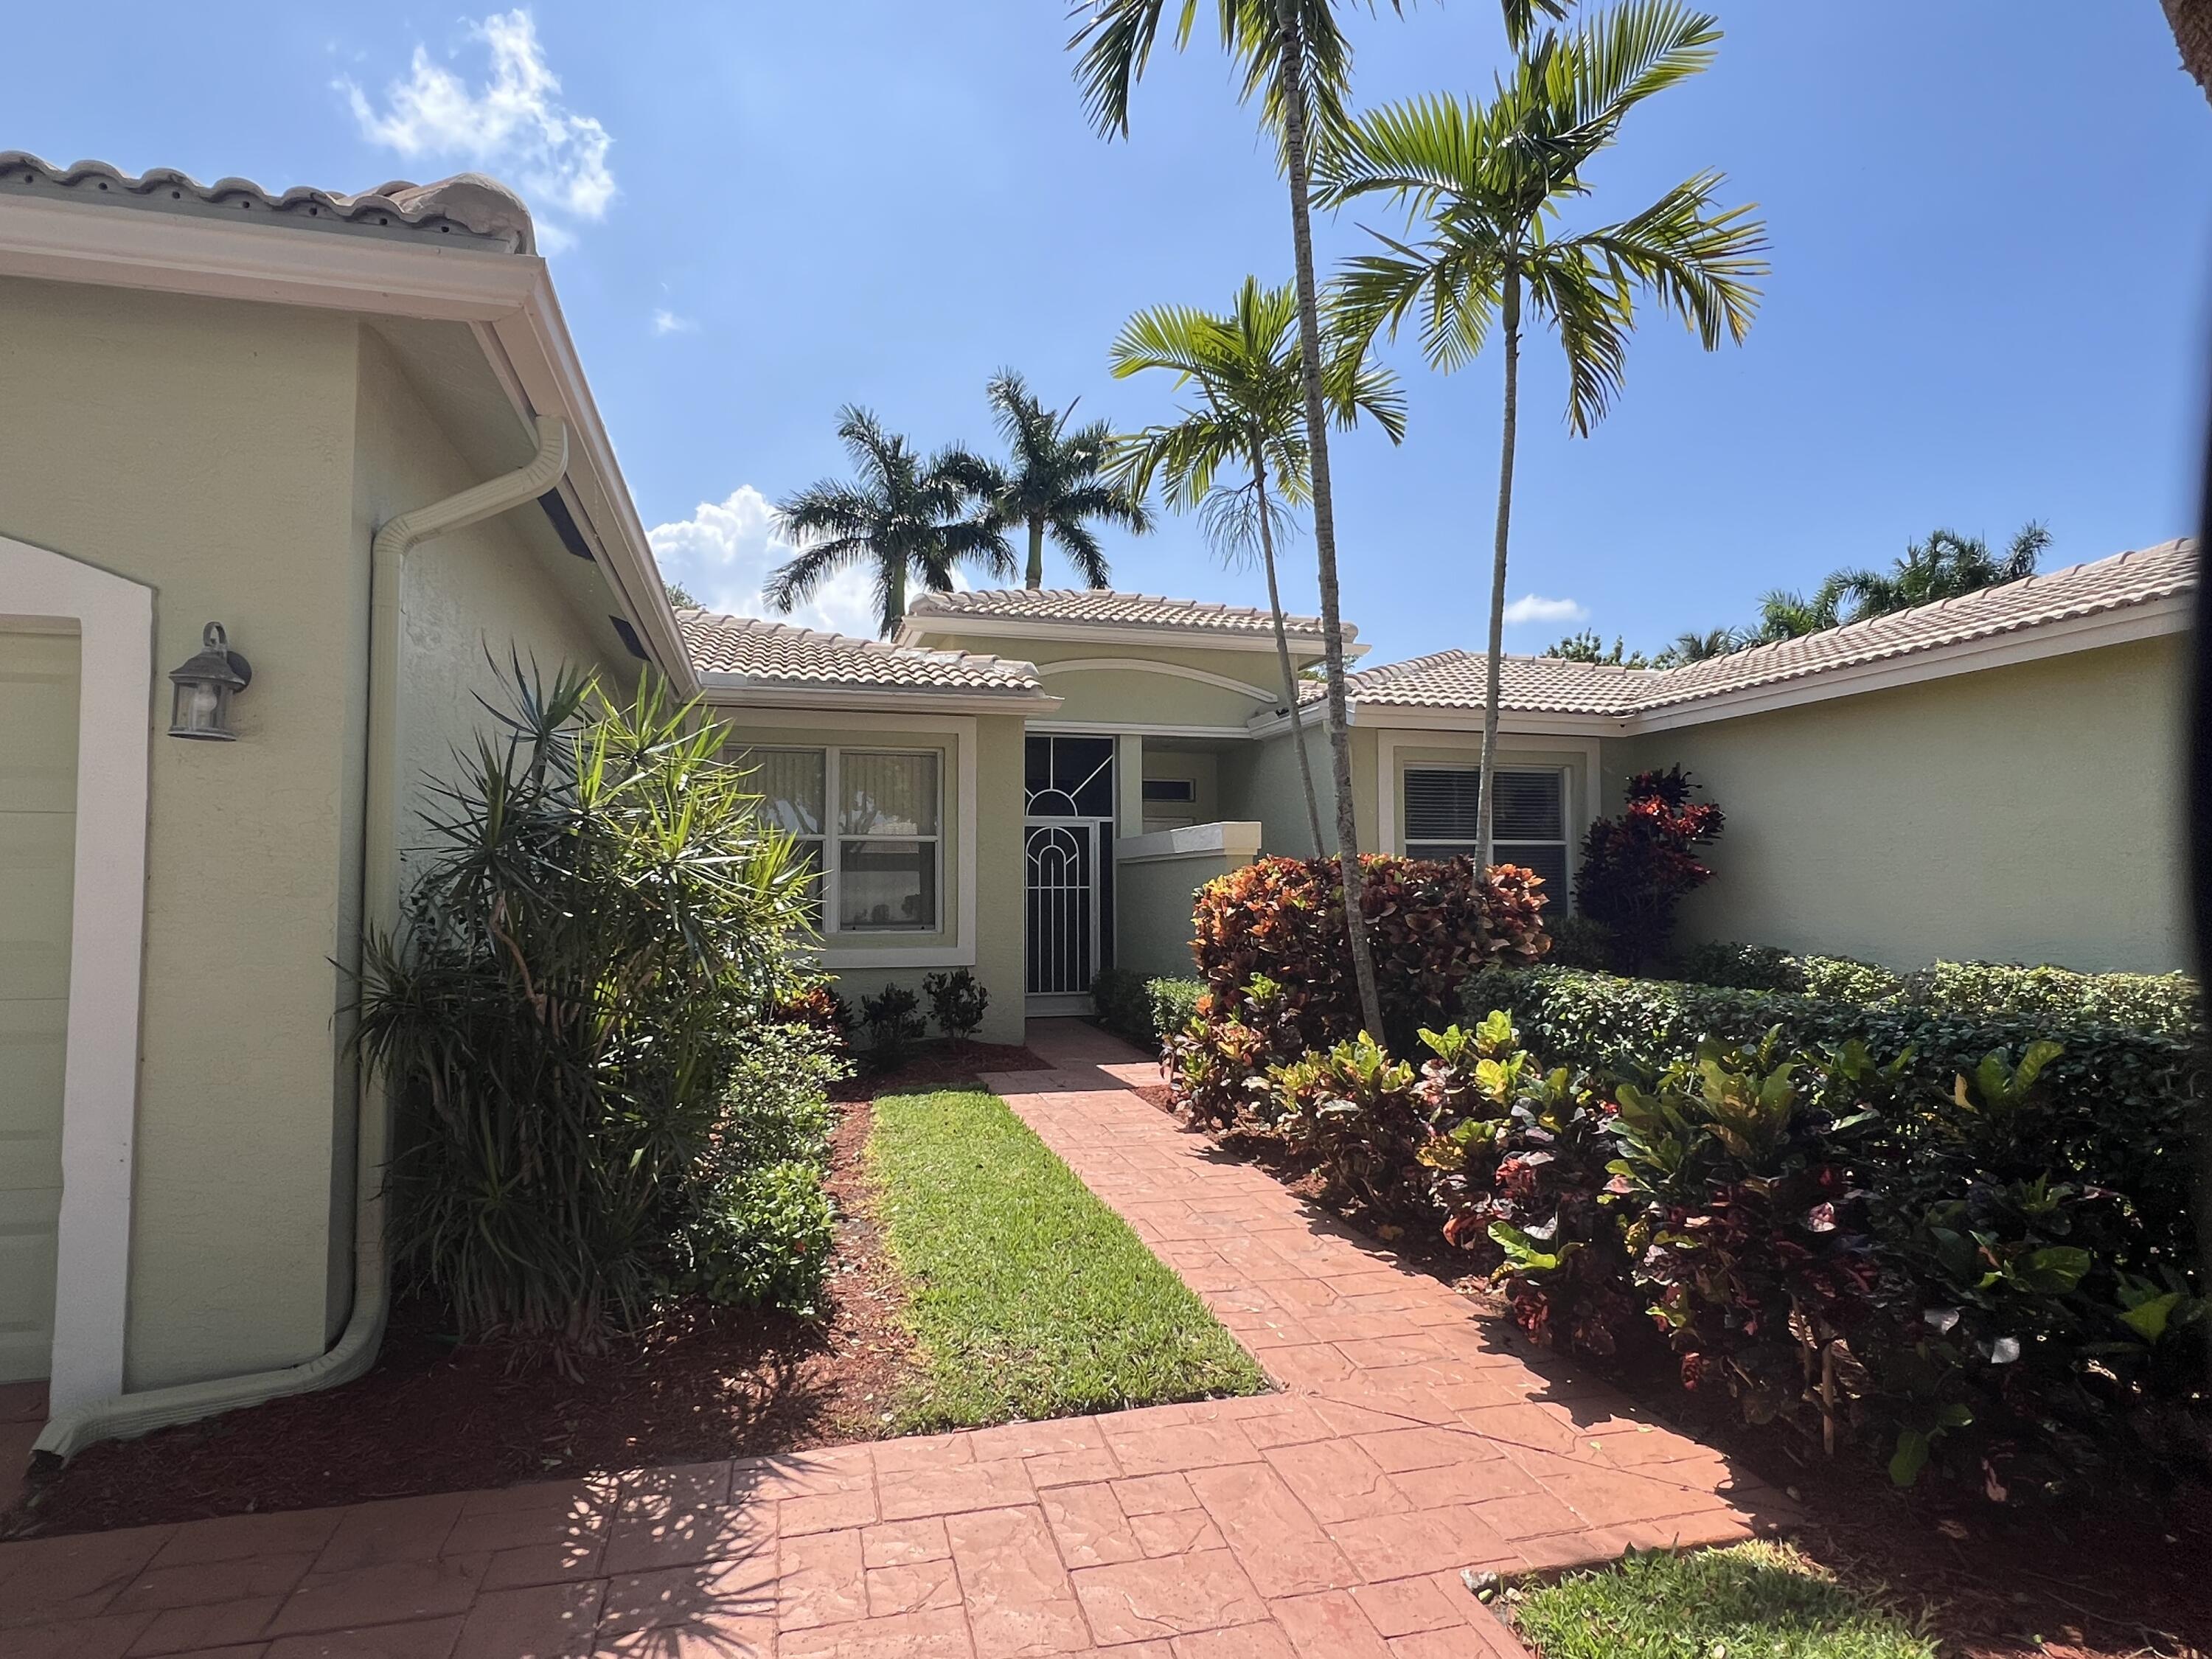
2168 1004
1143 1010
2125 1100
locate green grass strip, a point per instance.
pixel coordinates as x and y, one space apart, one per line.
1031 1298
1755 1601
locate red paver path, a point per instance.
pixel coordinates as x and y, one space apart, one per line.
1331 1519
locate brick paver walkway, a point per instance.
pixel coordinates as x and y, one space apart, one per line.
1330 1519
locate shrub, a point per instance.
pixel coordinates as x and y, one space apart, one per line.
569 1005
959 1002
1770 968
819 1008
1357 1116
1579 942
1430 923
894 1024
2171 1004
1143 1010
1519 1162
1173 1003
1635 868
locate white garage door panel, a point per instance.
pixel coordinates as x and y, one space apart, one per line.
38 850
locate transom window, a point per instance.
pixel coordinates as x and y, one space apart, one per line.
1529 828
879 861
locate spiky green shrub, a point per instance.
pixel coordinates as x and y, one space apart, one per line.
597 930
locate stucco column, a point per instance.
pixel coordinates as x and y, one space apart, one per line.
1128 785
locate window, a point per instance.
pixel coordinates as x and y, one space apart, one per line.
878 861
1181 789
1529 827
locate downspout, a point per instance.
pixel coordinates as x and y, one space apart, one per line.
122 1416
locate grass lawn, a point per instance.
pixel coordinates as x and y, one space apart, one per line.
1756 1600
1031 1298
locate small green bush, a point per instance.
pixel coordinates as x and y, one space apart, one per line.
1142 1010
959 1001
1770 968
1174 1003
895 1024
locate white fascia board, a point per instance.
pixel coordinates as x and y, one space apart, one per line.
947 623
511 294
171 253
750 695
2149 620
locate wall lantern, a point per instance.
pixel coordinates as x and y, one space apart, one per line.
204 686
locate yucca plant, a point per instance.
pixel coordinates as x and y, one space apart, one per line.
597 925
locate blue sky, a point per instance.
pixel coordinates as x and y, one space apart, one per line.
1988 218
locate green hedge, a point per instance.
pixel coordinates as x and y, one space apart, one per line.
2127 1099
1130 1005
2169 1004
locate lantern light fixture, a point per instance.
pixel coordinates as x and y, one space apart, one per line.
204 686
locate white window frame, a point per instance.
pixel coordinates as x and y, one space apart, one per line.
954 740
1580 782
832 871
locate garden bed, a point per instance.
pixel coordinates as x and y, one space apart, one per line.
2123 1579
709 1382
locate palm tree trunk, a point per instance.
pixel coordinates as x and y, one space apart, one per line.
1283 652
1339 724
894 578
1035 579
1511 315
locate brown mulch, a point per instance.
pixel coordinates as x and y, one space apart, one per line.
2119 1575
708 1382
940 1066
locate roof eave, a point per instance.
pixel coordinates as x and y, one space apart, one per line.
951 624
509 296
758 691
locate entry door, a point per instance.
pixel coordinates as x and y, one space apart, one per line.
1063 911
37 857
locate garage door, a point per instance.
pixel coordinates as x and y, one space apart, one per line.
38 840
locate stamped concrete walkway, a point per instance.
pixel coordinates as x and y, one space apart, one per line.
1329 1520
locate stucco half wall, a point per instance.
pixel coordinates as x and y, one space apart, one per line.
2030 813
1157 877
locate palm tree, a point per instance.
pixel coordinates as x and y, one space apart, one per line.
1691 647
2192 23
1248 419
1784 614
1052 484
907 516
1943 566
1294 58
1485 182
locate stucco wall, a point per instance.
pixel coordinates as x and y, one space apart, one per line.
205 448
998 939
1260 782
1152 906
1130 696
2030 813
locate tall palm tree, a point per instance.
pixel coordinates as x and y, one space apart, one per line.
1053 482
1484 182
1295 58
1247 419
907 516
1943 566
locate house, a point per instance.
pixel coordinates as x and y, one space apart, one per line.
301 470
352 432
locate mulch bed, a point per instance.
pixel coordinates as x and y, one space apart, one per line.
2126 1575
708 1382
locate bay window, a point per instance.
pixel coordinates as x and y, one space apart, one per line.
877 857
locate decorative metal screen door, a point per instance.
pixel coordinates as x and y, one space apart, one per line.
1069 792
1063 908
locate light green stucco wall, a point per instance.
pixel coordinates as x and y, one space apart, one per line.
1259 782
1140 697
205 448
1152 906
2024 814
1000 896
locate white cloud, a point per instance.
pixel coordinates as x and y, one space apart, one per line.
723 554
1535 608
514 124
666 321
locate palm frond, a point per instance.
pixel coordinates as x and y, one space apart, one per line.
1697 260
